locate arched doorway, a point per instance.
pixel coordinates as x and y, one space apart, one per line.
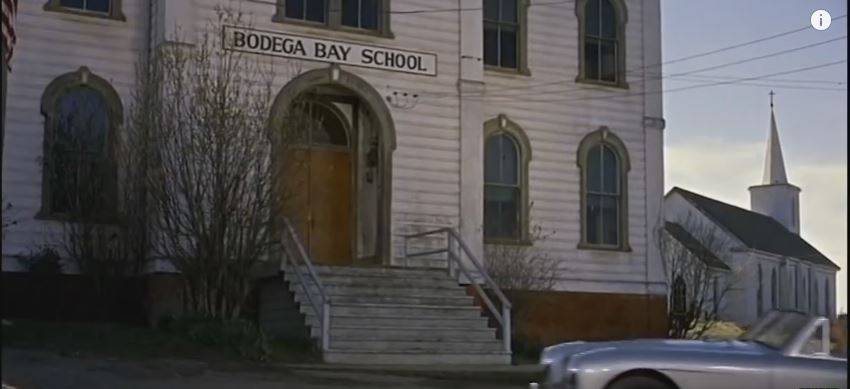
336 139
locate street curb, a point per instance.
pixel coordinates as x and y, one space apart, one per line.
520 374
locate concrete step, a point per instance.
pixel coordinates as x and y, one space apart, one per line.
416 358
400 322
411 334
415 345
383 281
394 290
400 311
454 301
424 263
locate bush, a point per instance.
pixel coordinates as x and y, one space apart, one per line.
239 336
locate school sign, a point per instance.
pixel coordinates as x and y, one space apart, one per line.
295 46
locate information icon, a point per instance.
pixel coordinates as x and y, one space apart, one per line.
821 20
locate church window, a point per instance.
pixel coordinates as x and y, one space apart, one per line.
504 34
361 16
774 290
110 9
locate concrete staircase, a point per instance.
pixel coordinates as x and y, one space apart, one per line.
382 315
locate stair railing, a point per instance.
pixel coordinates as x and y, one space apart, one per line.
453 256
321 308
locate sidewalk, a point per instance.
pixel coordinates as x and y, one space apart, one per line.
519 374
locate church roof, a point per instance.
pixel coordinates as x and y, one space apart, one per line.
755 230
694 246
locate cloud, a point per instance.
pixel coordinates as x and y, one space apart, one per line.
724 171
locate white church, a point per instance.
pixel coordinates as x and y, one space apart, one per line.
767 264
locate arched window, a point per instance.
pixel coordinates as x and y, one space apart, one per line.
774 291
815 299
604 163
826 310
506 156
680 296
82 113
759 294
602 41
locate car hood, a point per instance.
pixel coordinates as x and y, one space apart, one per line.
563 350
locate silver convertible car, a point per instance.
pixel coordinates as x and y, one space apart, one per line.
782 350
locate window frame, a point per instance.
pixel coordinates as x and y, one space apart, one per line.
498 126
115 10
604 136
49 100
621 14
521 44
333 19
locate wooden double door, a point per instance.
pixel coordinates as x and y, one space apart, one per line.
319 195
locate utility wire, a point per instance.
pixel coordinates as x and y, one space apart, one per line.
432 10
705 85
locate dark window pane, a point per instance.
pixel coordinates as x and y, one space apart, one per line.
610 225
295 9
509 11
608 22
508 52
593 216
97 5
82 121
350 13
594 169
491 10
501 211
72 3
491 44
369 14
509 161
316 10
610 171
609 61
591 18
327 128
591 59
492 159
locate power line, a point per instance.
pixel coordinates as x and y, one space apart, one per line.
644 80
705 85
433 10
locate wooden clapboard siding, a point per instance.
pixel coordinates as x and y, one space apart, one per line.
426 163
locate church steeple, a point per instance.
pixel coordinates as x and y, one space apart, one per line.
775 197
774 164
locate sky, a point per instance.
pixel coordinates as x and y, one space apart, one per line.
716 137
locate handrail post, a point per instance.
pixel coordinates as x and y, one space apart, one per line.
506 328
326 325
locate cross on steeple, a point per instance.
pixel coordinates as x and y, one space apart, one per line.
771 98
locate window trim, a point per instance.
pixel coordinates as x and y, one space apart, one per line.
333 20
115 10
622 15
58 87
603 135
521 46
502 125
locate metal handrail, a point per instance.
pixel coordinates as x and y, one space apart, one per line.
452 237
323 313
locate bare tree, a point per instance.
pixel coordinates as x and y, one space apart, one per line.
212 180
522 267
697 282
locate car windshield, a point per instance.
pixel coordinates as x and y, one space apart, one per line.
776 329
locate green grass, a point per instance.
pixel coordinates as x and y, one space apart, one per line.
131 342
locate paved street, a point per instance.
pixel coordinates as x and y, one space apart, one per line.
37 369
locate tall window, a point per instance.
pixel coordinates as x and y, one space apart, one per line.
604 163
369 16
815 299
501 33
79 180
309 10
102 8
826 310
602 48
759 294
360 14
715 296
680 296
506 156
774 291
796 288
